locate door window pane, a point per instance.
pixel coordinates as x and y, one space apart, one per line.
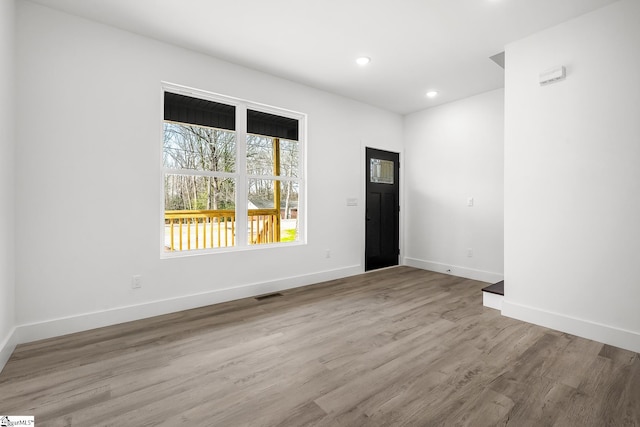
381 171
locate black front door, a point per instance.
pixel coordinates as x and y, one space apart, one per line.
382 246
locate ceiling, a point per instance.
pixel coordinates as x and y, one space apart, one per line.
414 45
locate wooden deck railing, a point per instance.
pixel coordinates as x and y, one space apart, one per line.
204 229
264 226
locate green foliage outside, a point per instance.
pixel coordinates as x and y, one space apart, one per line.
288 235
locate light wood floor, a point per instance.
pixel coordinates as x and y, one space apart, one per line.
394 347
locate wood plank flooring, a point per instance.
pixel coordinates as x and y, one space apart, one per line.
400 346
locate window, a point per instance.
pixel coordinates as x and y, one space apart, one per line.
232 175
381 171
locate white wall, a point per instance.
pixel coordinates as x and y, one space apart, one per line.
453 152
88 170
7 144
572 174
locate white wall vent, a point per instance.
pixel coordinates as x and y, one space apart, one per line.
553 75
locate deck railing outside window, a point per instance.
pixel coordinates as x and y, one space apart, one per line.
207 229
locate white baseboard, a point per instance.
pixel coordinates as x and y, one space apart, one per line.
617 337
83 322
492 300
6 348
454 270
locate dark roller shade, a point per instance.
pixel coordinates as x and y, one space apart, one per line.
194 111
266 124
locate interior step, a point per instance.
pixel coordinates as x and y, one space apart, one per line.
496 288
493 295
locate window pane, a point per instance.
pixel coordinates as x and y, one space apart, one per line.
289 158
381 171
263 217
266 223
289 211
260 159
261 195
184 192
259 155
289 199
199 212
198 148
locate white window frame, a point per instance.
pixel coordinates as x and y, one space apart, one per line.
240 175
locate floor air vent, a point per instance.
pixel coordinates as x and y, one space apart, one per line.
268 296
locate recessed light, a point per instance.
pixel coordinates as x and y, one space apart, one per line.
432 94
363 60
